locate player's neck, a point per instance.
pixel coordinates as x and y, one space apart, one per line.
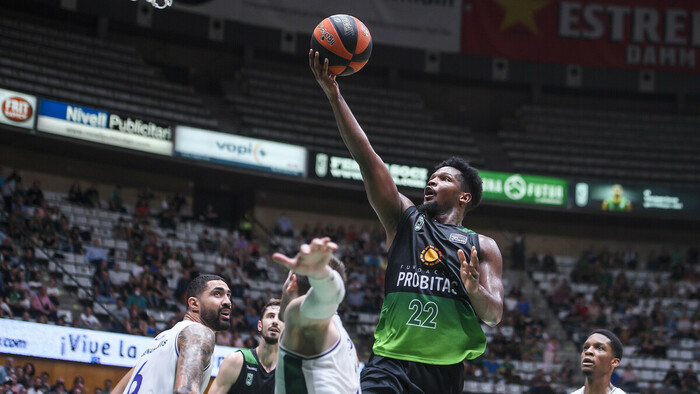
267 355
452 217
192 317
598 385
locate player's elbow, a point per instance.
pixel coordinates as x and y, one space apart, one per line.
495 316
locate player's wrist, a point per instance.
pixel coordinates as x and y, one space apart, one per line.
320 274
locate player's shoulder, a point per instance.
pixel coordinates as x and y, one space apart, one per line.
232 363
579 391
197 333
487 244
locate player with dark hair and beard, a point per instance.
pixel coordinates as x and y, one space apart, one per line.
434 294
253 370
179 361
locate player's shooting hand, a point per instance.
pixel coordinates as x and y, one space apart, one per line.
323 77
312 259
469 272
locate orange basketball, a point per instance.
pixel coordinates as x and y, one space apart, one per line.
344 41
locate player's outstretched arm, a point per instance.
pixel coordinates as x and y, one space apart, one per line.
381 189
121 386
228 373
482 280
320 303
196 345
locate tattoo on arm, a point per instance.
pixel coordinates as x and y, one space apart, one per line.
196 345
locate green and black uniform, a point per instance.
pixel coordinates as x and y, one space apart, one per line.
612 205
427 325
253 377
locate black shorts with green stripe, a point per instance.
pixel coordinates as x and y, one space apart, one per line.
385 375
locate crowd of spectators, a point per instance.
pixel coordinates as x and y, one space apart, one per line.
25 379
158 273
650 316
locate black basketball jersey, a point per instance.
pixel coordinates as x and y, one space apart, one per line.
426 316
253 377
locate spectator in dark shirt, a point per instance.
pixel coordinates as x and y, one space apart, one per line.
75 194
92 196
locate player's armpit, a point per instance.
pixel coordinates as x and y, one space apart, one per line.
229 371
196 346
489 303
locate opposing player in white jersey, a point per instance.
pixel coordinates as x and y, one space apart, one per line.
179 360
600 355
316 354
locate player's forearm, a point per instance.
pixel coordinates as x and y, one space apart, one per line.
351 132
488 306
325 295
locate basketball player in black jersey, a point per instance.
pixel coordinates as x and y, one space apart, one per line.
253 370
441 278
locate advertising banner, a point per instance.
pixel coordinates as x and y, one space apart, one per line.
102 127
642 34
433 25
524 189
80 345
18 109
637 199
240 151
341 168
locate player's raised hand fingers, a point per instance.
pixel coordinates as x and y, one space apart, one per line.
284 260
462 257
305 249
331 246
474 260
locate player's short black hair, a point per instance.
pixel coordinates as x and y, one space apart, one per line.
198 284
471 181
615 342
303 284
272 302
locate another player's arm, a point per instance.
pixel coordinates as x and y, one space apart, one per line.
196 345
319 304
121 386
380 187
482 280
229 371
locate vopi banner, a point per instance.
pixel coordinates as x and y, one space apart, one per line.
639 34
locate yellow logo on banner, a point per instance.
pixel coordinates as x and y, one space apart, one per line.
521 11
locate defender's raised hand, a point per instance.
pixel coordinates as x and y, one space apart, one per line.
312 259
469 272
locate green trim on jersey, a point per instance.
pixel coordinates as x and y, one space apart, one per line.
428 329
465 230
248 356
294 380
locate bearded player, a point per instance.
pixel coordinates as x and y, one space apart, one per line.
253 370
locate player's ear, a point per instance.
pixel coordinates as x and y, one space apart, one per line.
193 304
260 325
615 362
465 198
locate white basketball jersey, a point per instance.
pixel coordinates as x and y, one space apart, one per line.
615 390
335 371
155 370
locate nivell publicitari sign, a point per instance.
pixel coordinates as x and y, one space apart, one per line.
524 189
346 169
93 125
240 151
80 345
